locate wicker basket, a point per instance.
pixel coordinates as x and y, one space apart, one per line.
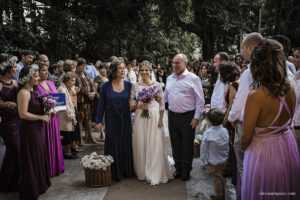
97 177
196 150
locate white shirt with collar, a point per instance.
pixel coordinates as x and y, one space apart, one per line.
238 106
184 93
218 95
214 146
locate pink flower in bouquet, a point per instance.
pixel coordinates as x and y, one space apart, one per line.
47 101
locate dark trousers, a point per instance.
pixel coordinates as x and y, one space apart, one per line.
182 137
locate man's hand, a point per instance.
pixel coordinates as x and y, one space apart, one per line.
194 123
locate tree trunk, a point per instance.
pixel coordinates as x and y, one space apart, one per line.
208 43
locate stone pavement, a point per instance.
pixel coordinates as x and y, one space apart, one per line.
71 184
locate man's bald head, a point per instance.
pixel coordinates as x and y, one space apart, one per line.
252 39
183 56
249 43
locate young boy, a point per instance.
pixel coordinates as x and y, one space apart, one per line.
214 151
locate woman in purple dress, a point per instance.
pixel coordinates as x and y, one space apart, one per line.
52 133
35 173
9 175
271 161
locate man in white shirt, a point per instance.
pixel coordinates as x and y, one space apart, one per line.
184 94
297 109
237 109
220 89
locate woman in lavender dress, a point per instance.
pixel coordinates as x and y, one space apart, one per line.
9 175
271 161
52 133
35 173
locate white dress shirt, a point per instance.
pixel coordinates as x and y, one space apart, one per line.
214 146
296 121
218 96
238 106
184 93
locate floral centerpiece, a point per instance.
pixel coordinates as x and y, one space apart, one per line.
146 96
97 169
95 161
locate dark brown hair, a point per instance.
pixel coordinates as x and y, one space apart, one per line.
81 61
215 116
113 68
268 67
229 72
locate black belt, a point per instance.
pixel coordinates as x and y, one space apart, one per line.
181 114
296 127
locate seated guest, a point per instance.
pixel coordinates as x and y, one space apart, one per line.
67 118
214 151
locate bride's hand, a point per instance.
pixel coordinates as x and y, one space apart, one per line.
160 123
143 106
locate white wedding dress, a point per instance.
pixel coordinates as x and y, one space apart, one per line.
149 155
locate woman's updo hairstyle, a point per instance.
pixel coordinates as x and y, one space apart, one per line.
113 68
6 63
147 64
268 67
26 75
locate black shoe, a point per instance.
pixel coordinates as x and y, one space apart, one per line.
177 174
70 156
185 176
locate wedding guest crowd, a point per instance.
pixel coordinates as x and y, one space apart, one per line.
253 122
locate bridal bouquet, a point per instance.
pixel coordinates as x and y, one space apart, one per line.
146 96
47 101
95 161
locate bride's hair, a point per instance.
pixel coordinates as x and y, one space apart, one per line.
147 64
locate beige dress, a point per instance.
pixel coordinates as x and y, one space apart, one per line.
149 155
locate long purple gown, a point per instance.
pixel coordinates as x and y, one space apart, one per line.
9 130
272 164
35 174
53 142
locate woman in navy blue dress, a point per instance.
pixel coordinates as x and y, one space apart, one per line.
114 105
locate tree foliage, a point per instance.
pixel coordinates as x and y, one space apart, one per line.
142 29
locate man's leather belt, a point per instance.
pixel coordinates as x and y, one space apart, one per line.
181 114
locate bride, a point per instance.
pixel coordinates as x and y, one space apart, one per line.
149 156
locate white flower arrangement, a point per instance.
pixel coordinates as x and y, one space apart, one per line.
8 63
95 161
198 139
33 69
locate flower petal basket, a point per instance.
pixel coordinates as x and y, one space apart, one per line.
97 169
197 144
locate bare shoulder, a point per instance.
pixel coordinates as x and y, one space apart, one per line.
1 86
24 94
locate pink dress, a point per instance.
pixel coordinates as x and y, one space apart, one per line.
53 142
272 163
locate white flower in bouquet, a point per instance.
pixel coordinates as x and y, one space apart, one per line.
95 161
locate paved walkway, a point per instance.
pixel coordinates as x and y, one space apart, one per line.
71 185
